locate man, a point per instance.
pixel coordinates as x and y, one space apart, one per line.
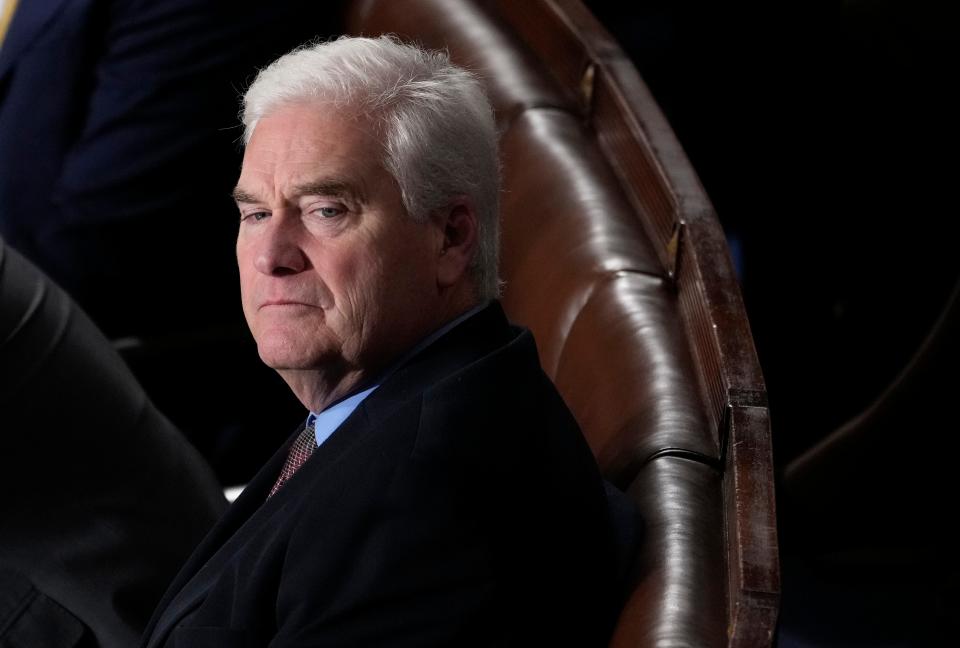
451 499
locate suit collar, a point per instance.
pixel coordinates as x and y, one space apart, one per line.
466 342
29 21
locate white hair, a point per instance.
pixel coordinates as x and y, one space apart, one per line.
440 139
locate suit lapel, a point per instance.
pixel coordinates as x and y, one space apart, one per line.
194 579
246 517
29 21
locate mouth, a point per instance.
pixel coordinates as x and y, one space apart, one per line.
287 303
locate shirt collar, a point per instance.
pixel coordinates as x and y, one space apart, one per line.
326 422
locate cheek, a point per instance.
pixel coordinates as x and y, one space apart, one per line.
352 276
248 300
359 304
244 266
246 290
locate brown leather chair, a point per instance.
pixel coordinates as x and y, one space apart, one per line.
613 256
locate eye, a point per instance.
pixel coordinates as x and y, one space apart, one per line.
256 216
329 211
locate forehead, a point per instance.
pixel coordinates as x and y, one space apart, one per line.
300 142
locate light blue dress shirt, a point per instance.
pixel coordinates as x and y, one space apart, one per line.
326 422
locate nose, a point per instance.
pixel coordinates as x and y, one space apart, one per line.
278 247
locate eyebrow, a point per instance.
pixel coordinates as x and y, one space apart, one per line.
329 188
241 196
314 188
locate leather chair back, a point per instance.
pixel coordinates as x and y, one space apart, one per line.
614 257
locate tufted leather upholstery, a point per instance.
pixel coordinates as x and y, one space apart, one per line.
613 256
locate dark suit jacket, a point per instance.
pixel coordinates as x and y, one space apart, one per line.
101 499
458 505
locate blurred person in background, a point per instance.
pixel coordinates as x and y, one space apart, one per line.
118 151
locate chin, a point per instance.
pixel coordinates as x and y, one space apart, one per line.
281 360
283 353
279 351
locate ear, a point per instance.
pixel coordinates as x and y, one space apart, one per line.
458 226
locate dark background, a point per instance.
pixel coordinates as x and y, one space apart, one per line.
820 132
824 135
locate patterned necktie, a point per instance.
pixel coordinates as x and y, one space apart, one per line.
300 451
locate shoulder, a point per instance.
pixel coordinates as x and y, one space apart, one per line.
502 400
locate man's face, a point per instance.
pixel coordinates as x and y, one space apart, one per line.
334 274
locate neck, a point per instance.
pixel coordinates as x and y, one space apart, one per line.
319 388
